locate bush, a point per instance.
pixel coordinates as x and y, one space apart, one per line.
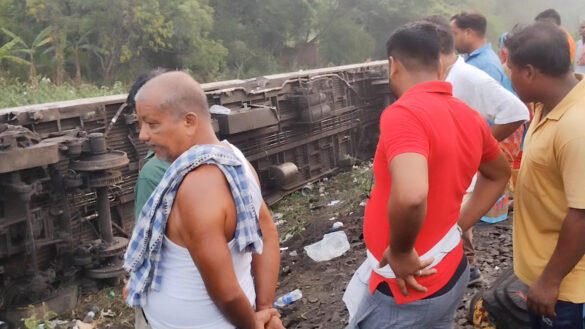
19 93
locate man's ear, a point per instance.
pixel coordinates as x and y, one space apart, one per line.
529 72
191 122
393 67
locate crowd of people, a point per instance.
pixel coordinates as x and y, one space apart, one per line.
465 131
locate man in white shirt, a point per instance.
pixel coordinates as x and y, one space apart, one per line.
504 111
580 49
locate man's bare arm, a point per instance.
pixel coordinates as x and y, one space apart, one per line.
503 131
265 266
202 200
407 205
491 182
570 248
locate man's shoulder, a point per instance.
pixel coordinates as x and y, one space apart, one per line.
573 120
205 187
203 174
463 72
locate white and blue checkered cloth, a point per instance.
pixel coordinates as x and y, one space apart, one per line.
142 257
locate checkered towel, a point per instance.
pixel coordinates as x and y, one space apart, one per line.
142 257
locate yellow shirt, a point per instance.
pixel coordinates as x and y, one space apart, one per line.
551 180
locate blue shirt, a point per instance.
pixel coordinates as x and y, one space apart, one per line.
485 59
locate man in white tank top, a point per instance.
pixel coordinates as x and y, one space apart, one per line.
206 282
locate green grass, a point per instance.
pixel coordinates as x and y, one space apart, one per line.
19 93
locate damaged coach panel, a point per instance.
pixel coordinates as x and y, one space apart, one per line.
67 169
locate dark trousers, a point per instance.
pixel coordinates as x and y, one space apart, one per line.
569 316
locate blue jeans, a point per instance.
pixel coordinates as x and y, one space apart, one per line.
378 311
569 316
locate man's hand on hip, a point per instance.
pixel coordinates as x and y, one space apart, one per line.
406 266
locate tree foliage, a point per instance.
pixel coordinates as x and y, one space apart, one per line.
103 41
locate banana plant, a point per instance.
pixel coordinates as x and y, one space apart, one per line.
28 49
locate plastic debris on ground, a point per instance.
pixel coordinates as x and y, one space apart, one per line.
362 204
287 237
288 298
277 216
109 313
333 203
82 325
293 253
332 218
283 248
336 225
331 246
280 222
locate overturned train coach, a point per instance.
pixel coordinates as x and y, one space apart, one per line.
68 169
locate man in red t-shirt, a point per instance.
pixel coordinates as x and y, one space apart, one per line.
430 146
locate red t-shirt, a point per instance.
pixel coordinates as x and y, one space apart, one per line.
455 139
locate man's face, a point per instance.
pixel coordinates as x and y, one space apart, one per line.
460 38
162 131
582 29
521 81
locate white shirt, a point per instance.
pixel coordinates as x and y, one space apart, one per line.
183 301
578 49
485 95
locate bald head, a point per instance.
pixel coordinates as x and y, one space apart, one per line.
176 93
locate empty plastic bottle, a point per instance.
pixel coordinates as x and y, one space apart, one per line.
288 298
89 316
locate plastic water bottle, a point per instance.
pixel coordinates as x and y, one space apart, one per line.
288 298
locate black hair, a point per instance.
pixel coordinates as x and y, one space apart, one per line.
542 45
549 14
444 30
416 46
139 82
471 20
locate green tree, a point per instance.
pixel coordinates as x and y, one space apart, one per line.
31 50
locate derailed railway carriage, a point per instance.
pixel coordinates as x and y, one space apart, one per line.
68 169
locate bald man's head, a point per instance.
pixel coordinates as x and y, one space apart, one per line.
173 114
176 93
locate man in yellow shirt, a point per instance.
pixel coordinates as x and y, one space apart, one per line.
549 218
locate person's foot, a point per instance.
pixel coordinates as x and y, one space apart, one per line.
475 276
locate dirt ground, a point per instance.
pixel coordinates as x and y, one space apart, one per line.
302 220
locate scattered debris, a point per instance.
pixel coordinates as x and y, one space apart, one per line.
89 316
82 325
307 190
293 253
280 222
277 216
332 218
287 237
331 246
333 203
109 313
288 298
336 225
283 248
363 204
